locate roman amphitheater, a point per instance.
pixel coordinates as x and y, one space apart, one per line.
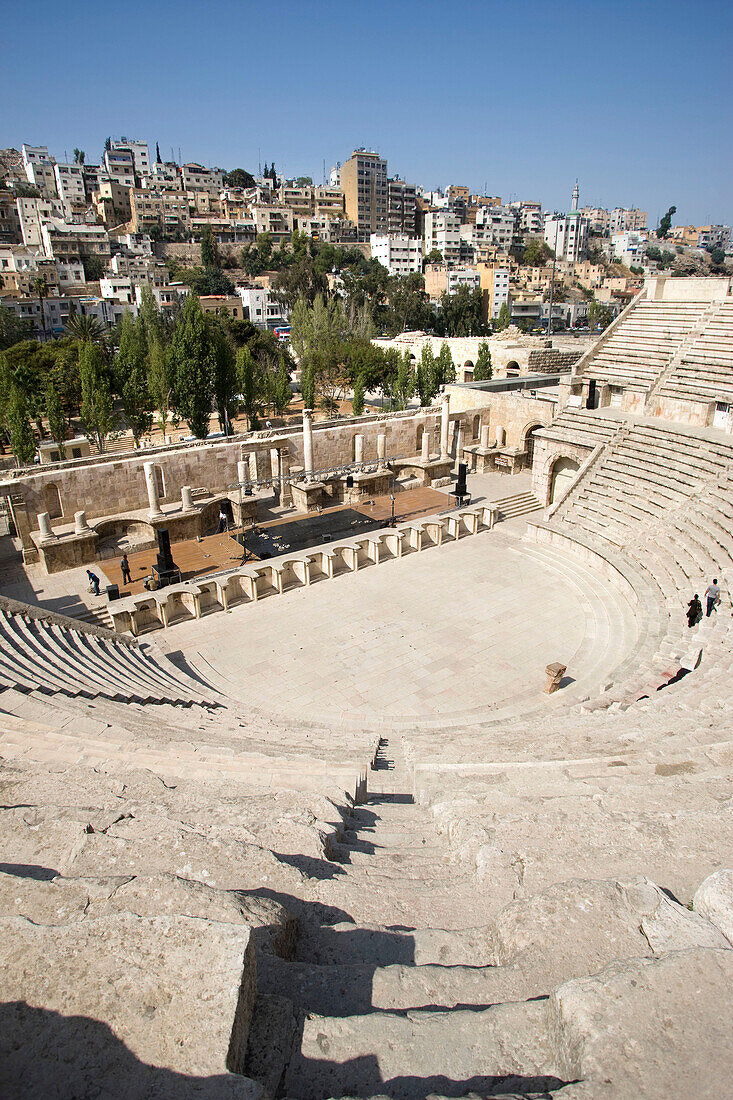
432 806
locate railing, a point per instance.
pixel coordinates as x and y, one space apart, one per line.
275 576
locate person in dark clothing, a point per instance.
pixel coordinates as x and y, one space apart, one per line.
125 567
94 581
694 611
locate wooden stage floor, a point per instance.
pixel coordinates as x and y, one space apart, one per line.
215 553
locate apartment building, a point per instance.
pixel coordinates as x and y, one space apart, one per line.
9 221
139 152
39 169
528 219
261 307
567 235
629 247
73 240
70 184
329 202
119 165
32 213
443 231
401 207
364 186
399 253
111 202
498 221
622 220
197 178
494 283
166 209
275 220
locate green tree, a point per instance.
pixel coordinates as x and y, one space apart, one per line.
225 376
132 377
409 308
93 268
209 251
97 410
249 385
504 319
84 327
405 381
483 370
357 401
22 439
445 371
665 223
281 392
191 360
58 425
79 156
536 253
434 256
238 178
13 329
159 382
599 316
426 375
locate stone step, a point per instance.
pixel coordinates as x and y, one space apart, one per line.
414 1054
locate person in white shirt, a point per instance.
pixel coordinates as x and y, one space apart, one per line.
712 595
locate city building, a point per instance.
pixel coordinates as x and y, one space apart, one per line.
399 253
70 184
567 234
401 207
442 232
494 283
528 218
261 307
365 191
166 209
629 247
139 152
197 178
119 164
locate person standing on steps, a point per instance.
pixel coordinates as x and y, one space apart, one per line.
713 596
694 611
125 567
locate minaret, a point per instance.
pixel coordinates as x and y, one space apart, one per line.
576 196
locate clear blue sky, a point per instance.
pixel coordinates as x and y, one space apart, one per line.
634 99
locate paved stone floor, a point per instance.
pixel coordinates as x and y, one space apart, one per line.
468 627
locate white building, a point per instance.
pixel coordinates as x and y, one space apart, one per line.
567 235
711 235
70 273
118 288
120 166
621 219
39 169
498 223
400 254
261 307
629 247
139 152
495 284
443 231
70 183
462 276
197 178
528 217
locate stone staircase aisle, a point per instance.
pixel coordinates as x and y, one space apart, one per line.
519 504
391 990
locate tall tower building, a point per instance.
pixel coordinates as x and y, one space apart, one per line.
364 186
576 197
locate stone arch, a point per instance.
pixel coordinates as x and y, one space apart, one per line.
418 438
512 369
527 441
562 474
52 500
468 369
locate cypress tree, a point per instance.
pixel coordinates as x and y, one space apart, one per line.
192 368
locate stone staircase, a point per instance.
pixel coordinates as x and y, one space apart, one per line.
404 984
518 504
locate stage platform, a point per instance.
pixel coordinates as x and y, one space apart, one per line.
289 533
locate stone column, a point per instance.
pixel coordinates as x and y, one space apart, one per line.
459 441
308 442
243 473
381 448
152 488
80 523
186 499
485 436
358 448
44 525
425 444
500 435
444 422
286 494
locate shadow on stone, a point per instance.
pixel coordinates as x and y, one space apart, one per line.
29 870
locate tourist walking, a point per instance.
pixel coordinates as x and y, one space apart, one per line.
125 567
713 596
694 611
94 581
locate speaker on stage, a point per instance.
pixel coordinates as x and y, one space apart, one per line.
165 569
591 402
460 489
113 592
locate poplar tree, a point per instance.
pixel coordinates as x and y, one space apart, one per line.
249 388
483 370
132 374
405 382
97 409
22 439
192 368
58 425
357 401
281 392
225 377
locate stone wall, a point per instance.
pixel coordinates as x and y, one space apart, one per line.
109 485
551 360
184 252
516 411
546 454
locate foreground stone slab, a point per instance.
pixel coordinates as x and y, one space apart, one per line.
655 1028
177 992
714 900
